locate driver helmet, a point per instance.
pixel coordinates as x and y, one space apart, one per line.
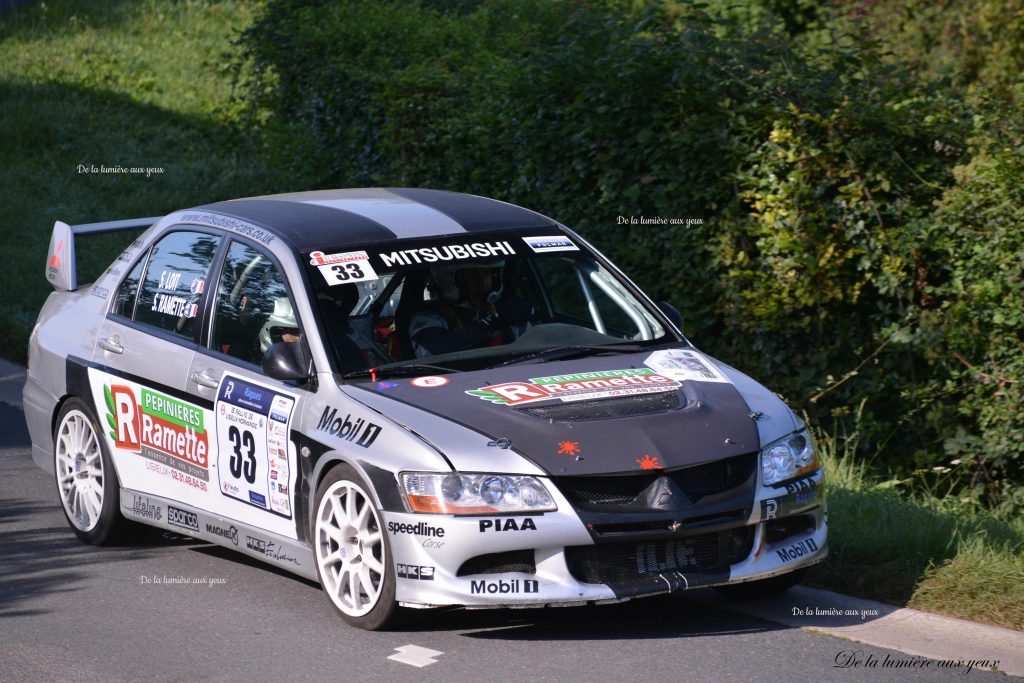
281 321
446 283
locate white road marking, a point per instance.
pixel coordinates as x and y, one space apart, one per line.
414 655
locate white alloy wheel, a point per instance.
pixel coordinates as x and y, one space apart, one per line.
79 465
351 552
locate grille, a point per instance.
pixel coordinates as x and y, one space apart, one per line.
781 529
627 406
619 563
623 489
499 563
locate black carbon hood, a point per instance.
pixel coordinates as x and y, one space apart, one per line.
591 416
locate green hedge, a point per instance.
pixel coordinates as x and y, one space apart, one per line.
853 239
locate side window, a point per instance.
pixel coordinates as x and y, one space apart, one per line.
562 286
253 307
571 292
124 299
174 282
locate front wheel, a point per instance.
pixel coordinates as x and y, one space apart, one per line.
86 481
353 555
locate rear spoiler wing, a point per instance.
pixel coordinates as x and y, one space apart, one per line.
61 270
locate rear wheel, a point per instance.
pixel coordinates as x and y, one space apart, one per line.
85 476
353 555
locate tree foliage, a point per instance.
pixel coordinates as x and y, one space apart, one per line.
854 242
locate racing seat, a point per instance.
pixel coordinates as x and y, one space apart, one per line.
336 311
411 301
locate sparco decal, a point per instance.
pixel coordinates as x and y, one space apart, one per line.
504 587
158 427
418 573
581 386
449 252
231 533
182 518
362 432
143 508
417 529
797 550
510 524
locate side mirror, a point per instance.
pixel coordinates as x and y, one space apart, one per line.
670 312
286 361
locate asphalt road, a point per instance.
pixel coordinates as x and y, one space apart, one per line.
172 609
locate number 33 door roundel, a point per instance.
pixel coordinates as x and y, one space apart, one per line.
252 444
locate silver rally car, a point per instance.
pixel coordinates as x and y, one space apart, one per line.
419 398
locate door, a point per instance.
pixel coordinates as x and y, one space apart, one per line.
157 437
253 455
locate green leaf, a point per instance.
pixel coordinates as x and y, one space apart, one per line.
110 421
108 397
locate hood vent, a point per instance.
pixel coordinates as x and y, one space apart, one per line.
603 409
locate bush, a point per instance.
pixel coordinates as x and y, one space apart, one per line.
821 252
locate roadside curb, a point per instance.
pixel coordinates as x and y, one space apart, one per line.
911 631
12 380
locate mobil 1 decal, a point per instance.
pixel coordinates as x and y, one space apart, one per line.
168 434
253 460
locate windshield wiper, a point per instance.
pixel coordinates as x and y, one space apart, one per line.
414 369
562 352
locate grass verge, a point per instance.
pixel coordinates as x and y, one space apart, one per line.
915 549
136 84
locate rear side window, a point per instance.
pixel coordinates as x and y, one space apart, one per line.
174 282
124 300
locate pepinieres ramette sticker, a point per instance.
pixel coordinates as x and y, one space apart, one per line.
252 444
580 386
167 431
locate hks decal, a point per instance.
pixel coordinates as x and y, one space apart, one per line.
412 571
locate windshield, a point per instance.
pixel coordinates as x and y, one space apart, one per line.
461 302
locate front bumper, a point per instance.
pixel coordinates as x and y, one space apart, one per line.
553 559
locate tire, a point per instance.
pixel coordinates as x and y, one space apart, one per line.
352 550
763 587
86 482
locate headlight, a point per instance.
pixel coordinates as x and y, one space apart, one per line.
788 458
474 494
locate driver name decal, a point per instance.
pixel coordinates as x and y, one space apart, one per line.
581 386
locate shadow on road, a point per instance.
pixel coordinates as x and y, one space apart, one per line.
36 561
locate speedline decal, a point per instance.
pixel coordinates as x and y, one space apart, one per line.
581 386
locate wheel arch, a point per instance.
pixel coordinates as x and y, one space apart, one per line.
382 483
